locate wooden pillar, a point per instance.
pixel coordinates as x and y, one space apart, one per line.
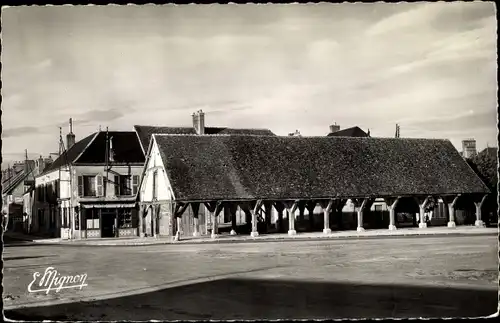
279 208
479 204
451 201
291 207
195 207
214 208
233 208
254 211
360 204
391 205
327 206
141 221
154 212
422 204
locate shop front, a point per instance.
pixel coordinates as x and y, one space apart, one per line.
110 220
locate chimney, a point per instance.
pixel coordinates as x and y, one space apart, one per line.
41 164
199 122
334 128
70 137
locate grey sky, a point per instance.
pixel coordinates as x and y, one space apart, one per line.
429 66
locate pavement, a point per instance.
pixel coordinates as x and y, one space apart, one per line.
226 238
410 277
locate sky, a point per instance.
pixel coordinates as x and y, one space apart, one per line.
430 67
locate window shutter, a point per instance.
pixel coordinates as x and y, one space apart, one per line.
135 184
80 186
117 185
99 185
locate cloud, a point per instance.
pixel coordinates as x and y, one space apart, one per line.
249 66
19 131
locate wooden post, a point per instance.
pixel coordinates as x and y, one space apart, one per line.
233 208
327 206
254 211
154 214
141 221
422 204
391 205
195 207
360 204
479 222
451 209
279 208
291 208
214 208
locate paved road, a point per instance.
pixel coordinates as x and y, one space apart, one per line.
407 277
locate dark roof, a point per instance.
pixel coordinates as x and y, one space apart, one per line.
265 167
145 132
125 145
349 132
70 155
9 185
489 151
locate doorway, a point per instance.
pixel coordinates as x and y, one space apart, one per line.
108 223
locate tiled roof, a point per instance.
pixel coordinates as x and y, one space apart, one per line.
10 184
266 167
125 145
70 155
349 132
490 151
145 132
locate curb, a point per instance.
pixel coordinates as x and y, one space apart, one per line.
254 240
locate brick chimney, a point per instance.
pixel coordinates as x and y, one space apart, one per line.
41 164
199 122
70 137
334 128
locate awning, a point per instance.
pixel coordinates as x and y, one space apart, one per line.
108 205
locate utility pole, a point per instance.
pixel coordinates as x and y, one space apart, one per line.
397 131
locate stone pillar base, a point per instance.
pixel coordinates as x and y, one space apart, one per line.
451 224
327 231
392 227
422 225
254 234
479 223
196 234
233 233
360 229
292 232
213 236
141 235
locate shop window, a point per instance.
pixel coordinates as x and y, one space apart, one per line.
124 218
92 218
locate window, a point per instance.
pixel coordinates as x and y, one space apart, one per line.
124 218
126 184
92 218
90 185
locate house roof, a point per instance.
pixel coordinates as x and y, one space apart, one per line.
232 167
349 132
490 151
145 132
9 185
126 148
72 153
